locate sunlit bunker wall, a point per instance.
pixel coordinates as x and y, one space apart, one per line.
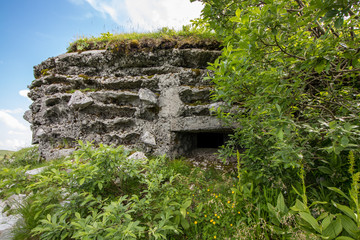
156 100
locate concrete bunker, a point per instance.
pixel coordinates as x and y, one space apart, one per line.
156 101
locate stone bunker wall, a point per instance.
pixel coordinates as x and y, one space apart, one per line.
155 101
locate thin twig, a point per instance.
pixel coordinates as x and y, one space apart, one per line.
322 107
289 54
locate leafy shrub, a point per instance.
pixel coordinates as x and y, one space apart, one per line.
94 199
12 180
99 193
291 86
23 157
288 77
342 221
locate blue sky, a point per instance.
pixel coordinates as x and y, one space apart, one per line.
33 30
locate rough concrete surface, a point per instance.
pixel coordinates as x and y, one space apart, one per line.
152 101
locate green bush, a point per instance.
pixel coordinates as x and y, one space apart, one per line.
97 200
100 194
23 157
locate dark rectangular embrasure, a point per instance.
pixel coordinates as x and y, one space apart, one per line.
210 139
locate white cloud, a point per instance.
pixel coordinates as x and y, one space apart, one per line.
148 14
24 93
13 144
10 121
155 14
15 131
114 8
13 111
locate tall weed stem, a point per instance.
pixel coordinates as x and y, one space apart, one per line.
354 191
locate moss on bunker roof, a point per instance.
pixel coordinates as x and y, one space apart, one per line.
137 42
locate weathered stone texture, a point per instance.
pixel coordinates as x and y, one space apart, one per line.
143 100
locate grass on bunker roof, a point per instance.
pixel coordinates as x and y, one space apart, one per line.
165 38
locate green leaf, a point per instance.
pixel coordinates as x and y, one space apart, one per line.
331 13
350 226
100 186
339 192
345 209
183 212
238 12
320 67
325 170
311 220
185 224
273 213
54 219
280 204
322 216
177 219
82 181
338 149
347 126
186 204
344 141
280 134
325 223
278 107
333 124
245 19
333 230
339 22
64 235
77 215
344 238
317 202
299 206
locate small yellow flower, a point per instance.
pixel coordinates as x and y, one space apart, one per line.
208 190
216 196
218 216
214 236
230 225
187 212
205 215
215 214
232 192
211 220
229 202
214 222
232 206
195 222
238 212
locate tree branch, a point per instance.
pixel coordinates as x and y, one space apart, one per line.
289 54
322 107
300 3
267 44
344 71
